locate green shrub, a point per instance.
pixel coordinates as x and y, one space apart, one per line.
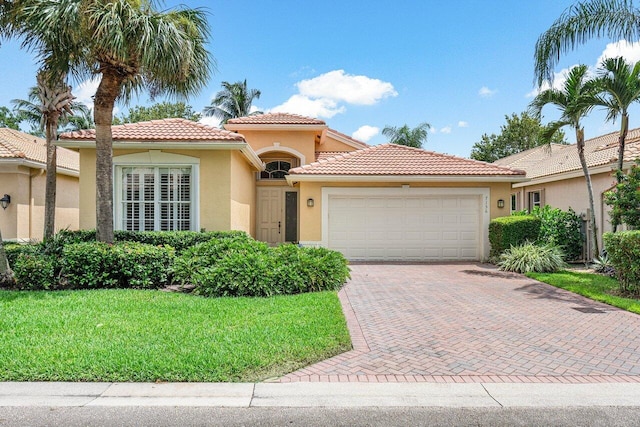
624 199
530 257
320 268
124 264
508 231
14 250
34 271
623 250
560 228
238 274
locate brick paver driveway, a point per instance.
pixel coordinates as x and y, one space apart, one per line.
472 323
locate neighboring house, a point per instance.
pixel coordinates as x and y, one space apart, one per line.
556 176
289 178
23 160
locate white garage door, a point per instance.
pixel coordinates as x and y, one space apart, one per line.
406 227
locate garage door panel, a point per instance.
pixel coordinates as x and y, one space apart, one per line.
424 227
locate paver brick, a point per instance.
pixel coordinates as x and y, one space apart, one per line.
471 323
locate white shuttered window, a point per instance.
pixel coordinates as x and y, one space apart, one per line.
156 198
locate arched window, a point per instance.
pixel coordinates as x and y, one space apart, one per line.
276 169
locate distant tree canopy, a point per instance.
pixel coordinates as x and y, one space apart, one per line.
9 119
162 110
520 133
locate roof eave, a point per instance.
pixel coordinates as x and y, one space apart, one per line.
292 178
38 165
350 142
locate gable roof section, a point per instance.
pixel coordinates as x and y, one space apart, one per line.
602 151
16 145
392 161
164 130
275 121
165 134
346 139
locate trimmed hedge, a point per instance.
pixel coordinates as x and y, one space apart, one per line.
121 265
508 231
35 271
623 250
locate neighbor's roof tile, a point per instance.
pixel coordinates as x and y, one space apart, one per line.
19 145
393 159
276 119
160 130
599 151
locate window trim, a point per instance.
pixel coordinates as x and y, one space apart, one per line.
156 159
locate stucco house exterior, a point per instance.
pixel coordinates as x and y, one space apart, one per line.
556 176
288 178
23 160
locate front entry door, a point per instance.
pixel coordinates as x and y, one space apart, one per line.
277 215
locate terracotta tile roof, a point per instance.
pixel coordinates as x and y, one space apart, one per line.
19 145
393 159
160 130
276 119
353 140
324 155
599 151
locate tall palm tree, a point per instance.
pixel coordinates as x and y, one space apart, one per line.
585 20
576 99
132 46
620 83
234 100
404 135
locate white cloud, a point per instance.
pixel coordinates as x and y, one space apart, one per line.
485 92
210 121
446 129
85 91
324 95
339 86
365 133
462 124
300 104
630 51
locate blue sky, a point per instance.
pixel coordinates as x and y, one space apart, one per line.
460 66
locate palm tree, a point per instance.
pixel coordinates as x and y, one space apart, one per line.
404 135
234 100
576 99
131 46
620 83
615 19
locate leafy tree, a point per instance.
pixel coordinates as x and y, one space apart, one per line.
8 119
234 100
625 198
585 20
131 46
576 99
404 135
162 110
620 83
520 133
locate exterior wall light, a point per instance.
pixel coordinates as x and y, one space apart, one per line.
310 202
6 199
500 203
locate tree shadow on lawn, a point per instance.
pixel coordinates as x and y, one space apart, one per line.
545 291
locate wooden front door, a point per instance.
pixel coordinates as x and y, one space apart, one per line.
277 215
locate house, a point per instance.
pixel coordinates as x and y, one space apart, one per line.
23 160
557 179
288 178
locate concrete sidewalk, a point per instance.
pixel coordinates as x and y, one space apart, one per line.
245 395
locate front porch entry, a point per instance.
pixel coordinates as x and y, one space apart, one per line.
277 214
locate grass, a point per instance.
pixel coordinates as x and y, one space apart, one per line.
137 335
594 286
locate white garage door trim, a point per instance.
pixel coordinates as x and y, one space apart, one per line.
406 191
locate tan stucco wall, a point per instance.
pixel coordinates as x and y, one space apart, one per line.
331 144
243 195
301 141
311 218
24 217
224 203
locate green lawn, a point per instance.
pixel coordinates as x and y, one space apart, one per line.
137 335
594 286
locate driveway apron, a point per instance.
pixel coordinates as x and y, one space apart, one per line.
472 323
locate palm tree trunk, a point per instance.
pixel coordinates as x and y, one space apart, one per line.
6 276
624 129
104 101
51 124
587 178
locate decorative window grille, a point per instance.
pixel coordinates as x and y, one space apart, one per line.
276 169
156 198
